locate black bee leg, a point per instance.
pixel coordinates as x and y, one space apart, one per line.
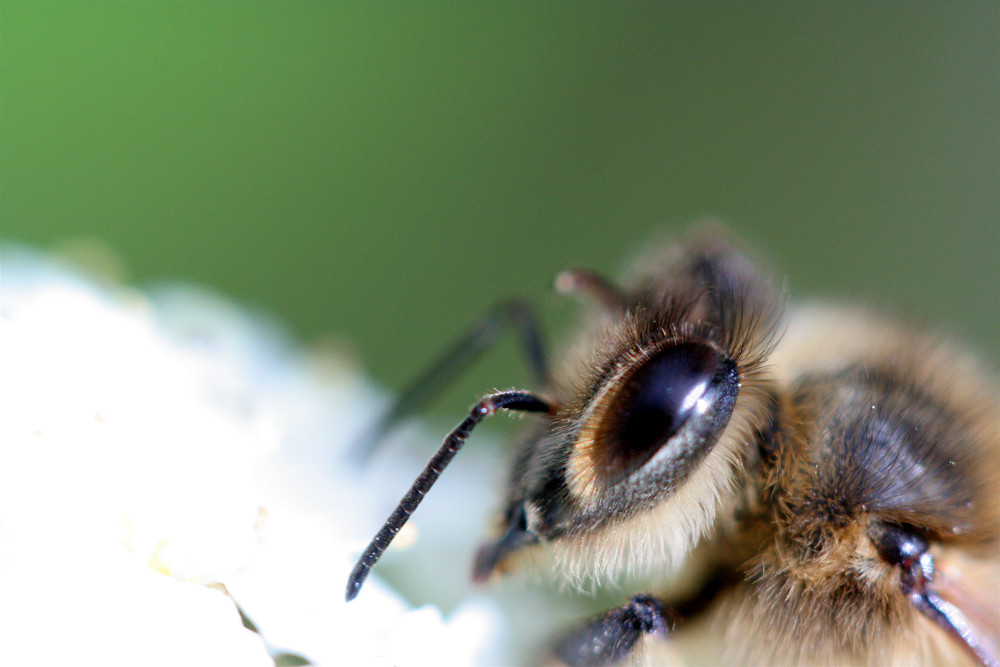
615 634
462 354
909 551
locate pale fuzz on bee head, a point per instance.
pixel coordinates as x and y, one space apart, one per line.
658 541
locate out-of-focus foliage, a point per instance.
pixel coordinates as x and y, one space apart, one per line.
382 171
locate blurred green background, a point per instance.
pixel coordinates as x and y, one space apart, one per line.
382 172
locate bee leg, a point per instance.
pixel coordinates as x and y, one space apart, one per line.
594 286
462 354
910 552
614 635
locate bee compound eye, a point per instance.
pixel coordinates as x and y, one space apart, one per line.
654 403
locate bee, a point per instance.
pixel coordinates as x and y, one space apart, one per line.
806 485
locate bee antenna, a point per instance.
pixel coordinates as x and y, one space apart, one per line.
512 400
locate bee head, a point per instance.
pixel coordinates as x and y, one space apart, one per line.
651 437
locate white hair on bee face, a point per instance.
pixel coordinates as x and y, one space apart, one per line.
658 541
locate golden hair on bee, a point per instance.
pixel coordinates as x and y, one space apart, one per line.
824 480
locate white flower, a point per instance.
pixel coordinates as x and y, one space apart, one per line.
162 450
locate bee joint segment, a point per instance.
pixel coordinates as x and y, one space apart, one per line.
910 552
614 635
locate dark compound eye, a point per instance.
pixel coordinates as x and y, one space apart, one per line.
654 403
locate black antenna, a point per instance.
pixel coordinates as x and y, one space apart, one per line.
506 400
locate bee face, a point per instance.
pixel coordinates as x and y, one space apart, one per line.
624 451
655 413
837 484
